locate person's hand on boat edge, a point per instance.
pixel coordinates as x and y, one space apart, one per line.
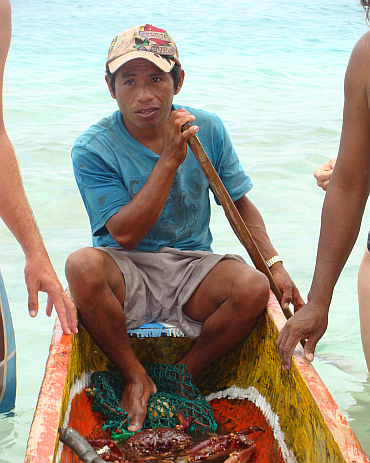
310 323
41 276
287 287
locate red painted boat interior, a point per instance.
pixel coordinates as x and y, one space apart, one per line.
230 415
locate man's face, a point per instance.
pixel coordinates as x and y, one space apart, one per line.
144 95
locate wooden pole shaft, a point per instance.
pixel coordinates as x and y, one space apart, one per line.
233 215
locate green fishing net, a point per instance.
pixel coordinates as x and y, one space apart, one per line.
176 393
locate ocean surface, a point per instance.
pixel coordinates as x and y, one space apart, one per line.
272 70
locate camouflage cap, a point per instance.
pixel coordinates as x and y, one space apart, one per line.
145 41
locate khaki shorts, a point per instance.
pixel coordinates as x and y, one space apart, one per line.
158 284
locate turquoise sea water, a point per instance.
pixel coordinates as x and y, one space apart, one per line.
272 70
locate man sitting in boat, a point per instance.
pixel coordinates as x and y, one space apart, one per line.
149 210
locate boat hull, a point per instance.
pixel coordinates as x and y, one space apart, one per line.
245 387
8 368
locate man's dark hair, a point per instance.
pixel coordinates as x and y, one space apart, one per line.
112 80
175 72
176 75
366 6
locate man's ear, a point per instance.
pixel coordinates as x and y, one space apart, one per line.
110 87
181 81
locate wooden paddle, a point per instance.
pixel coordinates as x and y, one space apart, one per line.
233 215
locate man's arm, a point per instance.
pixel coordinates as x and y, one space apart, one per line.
343 208
255 224
136 218
17 214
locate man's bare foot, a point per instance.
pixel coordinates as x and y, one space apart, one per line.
134 400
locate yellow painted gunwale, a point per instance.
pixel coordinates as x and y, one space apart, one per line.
315 429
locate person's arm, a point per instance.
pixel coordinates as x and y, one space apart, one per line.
343 208
136 218
17 215
255 224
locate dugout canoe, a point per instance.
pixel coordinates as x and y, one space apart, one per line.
247 386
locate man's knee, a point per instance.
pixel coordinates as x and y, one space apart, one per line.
84 269
251 292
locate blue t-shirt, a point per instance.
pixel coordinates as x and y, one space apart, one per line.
110 167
